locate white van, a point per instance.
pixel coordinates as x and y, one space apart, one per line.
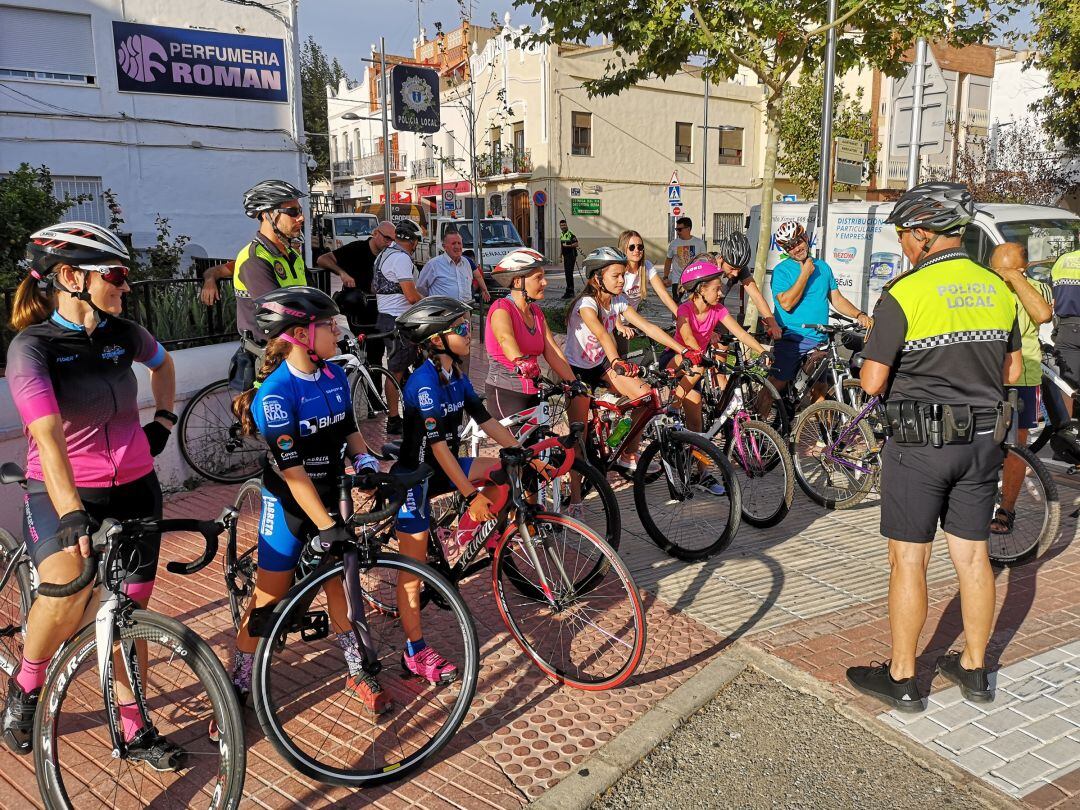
338 230
498 234
864 253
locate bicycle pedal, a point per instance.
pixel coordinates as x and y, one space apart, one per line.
10 630
315 625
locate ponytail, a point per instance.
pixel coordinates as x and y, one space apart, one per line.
276 352
30 304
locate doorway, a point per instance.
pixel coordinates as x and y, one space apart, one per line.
519 213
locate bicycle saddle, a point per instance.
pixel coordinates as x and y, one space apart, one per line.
12 473
857 360
390 450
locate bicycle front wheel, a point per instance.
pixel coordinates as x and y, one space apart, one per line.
764 470
184 688
210 438
15 599
590 637
369 404
302 694
241 560
691 505
1037 508
836 461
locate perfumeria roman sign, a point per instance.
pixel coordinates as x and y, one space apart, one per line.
181 61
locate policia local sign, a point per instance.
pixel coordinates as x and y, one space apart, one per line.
179 61
415 102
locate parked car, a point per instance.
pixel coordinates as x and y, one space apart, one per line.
337 230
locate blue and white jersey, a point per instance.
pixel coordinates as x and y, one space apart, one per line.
434 409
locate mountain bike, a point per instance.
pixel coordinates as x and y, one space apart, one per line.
320 728
173 676
1060 432
210 437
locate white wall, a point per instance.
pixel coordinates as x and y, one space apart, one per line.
153 167
1014 89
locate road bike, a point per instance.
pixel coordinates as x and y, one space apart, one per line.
1060 432
315 723
172 675
214 446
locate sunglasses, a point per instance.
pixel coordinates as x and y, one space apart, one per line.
635 248
115 274
387 236
293 211
331 325
461 330
900 232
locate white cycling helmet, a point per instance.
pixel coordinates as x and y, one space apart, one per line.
74 243
517 264
789 234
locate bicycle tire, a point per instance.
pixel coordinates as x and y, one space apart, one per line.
684 448
521 613
853 392
178 711
15 600
214 448
762 507
816 430
241 552
777 418
370 407
1037 504
280 662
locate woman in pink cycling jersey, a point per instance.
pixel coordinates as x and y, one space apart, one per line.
517 336
70 374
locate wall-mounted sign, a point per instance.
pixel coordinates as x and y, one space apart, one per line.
180 61
415 102
539 197
585 207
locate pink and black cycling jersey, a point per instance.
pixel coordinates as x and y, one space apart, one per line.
55 367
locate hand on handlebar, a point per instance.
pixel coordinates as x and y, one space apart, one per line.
527 367
625 368
480 508
73 532
694 356
337 533
575 388
864 320
765 359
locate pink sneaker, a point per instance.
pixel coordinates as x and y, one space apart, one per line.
430 666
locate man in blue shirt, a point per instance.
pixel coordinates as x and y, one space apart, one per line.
802 289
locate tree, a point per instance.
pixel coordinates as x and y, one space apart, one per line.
1057 41
1019 168
316 73
800 129
27 204
655 38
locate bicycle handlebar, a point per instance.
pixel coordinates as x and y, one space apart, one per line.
398 484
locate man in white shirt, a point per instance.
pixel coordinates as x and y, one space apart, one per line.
450 273
394 283
684 248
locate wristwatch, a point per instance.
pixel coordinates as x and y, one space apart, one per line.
168 416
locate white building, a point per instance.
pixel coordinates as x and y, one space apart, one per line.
177 107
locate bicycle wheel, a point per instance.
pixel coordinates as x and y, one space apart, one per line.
210 438
242 549
1037 508
369 404
836 465
15 599
682 507
317 725
184 688
855 397
589 638
764 470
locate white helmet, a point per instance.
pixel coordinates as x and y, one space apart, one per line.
516 264
789 234
74 243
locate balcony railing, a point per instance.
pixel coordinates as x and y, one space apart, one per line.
371 166
504 160
428 167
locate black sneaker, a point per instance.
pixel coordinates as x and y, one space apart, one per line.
974 683
393 426
876 681
156 751
19 717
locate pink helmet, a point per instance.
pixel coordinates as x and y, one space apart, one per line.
698 271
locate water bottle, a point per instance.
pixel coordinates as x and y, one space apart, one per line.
618 433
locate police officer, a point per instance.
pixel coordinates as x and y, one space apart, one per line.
944 341
1066 282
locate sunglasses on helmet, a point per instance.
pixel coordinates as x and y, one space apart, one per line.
115 274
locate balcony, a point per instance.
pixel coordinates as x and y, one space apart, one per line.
421 169
504 161
370 167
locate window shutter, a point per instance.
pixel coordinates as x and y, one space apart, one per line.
47 41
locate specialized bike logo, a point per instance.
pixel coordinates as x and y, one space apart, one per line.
137 55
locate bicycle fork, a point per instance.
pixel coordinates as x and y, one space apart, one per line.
354 599
106 622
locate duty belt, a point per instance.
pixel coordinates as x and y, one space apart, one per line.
914 423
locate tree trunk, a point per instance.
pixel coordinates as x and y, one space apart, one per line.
768 182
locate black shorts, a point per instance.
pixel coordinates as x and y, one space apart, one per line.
1067 342
138 499
593 377
400 353
955 485
502 402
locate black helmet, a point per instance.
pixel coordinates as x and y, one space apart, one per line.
407 229
735 249
430 316
268 195
601 258
944 208
73 243
287 307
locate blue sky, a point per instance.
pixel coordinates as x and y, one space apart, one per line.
347 28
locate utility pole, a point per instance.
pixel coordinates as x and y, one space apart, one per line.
705 164
916 123
385 99
825 165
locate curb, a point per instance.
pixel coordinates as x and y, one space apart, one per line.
580 788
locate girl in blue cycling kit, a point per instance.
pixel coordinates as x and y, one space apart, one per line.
435 399
302 407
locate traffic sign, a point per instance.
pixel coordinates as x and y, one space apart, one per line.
585 207
539 198
449 197
674 191
675 210
850 157
674 181
789 198
935 102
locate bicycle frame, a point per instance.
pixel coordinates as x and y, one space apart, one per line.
650 406
845 434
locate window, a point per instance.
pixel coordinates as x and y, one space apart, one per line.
580 133
46 45
976 245
684 135
448 151
731 146
333 149
93 210
495 205
725 224
519 138
496 140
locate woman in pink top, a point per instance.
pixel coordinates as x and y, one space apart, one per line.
517 336
696 325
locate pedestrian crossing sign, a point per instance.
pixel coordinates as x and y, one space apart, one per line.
674 195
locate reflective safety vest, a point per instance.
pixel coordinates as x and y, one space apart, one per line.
286 274
1066 282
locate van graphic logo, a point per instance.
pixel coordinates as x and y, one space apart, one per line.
113 353
137 55
845 254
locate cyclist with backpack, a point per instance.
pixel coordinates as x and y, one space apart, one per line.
70 373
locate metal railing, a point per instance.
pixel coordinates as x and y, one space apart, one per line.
504 160
373 164
428 167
